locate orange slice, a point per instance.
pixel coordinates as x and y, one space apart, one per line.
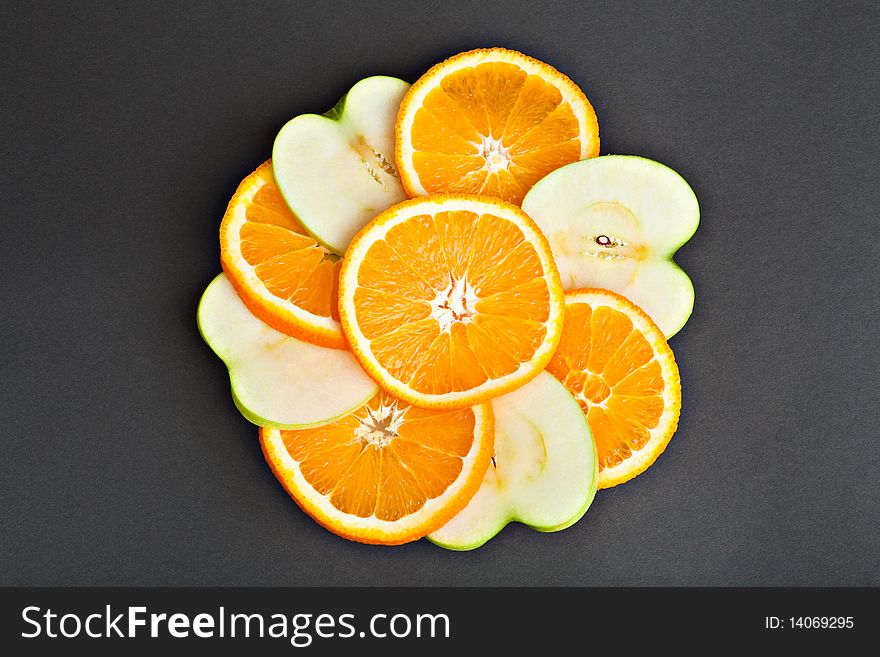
491 122
280 272
387 473
617 364
450 300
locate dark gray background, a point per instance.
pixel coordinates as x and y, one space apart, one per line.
124 133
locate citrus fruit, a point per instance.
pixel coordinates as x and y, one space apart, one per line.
491 121
387 473
449 300
614 222
278 381
617 364
280 272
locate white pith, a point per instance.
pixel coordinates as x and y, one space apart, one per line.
381 426
455 303
495 154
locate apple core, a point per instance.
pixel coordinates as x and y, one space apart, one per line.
615 222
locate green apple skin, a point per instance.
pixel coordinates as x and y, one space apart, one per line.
278 381
544 473
615 222
336 170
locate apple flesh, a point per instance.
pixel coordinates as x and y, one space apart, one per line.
278 381
544 472
615 222
336 171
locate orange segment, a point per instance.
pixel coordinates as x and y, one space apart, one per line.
526 301
451 300
491 122
261 242
387 473
631 355
520 337
279 271
456 235
498 361
382 311
388 271
469 372
403 349
447 431
609 328
617 364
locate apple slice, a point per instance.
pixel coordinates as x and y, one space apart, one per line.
615 222
336 171
544 471
278 381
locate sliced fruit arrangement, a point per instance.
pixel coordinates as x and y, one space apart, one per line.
389 472
394 313
278 381
280 272
617 364
543 473
336 170
450 300
491 121
615 222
